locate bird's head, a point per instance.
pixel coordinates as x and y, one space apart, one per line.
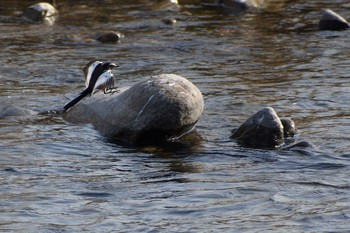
94 69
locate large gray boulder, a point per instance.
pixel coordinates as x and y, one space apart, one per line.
262 130
161 107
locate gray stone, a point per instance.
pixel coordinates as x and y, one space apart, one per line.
163 107
262 130
42 11
289 128
109 36
169 21
332 21
240 5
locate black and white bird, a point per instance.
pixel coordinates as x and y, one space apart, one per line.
98 76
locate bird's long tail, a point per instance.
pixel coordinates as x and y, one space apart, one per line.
76 100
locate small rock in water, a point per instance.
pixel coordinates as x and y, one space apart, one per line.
240 5
40 12
289 128
332 21
169 21
262 130
109 37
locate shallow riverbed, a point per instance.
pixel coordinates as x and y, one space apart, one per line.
60 177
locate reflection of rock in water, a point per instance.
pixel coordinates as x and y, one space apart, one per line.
187 144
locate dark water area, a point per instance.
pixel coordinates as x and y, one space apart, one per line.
60 177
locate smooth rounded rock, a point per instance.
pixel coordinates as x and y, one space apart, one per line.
332 21
163 107
109 36
262 130
240 5
289 128
40 12
169 21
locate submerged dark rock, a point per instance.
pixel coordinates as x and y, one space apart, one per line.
262 130
289 128
108 36
12 111
163 107
169 21
332 21
84 39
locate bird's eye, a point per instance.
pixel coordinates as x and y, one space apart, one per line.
111 65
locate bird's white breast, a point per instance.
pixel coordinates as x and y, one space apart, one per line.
103 79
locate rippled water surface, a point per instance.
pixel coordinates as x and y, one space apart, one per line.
60 177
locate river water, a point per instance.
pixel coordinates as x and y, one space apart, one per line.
60 177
